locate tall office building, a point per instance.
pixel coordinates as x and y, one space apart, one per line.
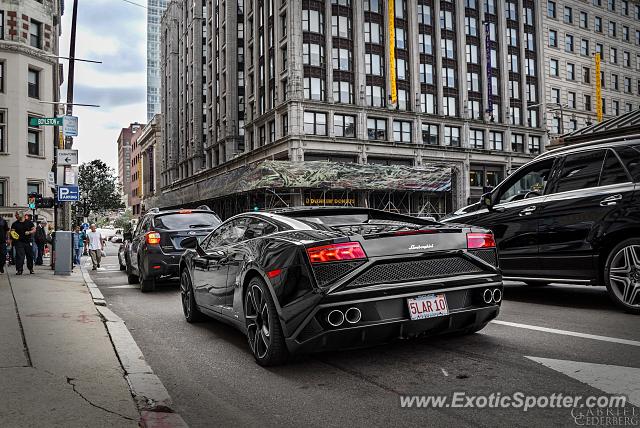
124 159
155 9
575 31
29 84
386 90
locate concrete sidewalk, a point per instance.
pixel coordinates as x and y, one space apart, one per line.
57 363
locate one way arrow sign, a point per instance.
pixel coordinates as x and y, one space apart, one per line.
67 157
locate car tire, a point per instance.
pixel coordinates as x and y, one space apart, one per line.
536 283
146 284
189 306
264 332
622 275
122 267
131 278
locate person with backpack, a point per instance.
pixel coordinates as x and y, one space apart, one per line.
40 241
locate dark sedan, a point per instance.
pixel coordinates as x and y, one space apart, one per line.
304 280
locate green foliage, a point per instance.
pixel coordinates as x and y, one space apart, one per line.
124 221
98 188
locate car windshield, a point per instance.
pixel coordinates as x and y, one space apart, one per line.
176 221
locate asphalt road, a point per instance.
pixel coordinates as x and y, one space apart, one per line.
214 381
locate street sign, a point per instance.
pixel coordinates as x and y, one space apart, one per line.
45 121
70 175
68 194
70 126
51 179
85 226
67 157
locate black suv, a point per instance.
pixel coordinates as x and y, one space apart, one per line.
155 246
571 215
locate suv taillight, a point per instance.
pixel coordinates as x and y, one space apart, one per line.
152 238
480 240
336 252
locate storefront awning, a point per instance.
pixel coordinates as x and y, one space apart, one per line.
311 175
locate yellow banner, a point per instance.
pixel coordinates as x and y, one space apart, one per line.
598 89
60 139
392 52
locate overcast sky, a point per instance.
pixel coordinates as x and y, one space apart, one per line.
113 32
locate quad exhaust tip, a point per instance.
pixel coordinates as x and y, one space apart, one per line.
487 296
496 295
335 318
353 315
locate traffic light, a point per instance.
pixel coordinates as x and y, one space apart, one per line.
39 201
32 200
46 203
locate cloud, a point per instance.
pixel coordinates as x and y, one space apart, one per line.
109 97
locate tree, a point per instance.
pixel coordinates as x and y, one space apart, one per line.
98 188
124 221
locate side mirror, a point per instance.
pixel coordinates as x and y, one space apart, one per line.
127 236
486 201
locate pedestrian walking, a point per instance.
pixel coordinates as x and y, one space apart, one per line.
4 240
21 232
78 244
40 241
96 245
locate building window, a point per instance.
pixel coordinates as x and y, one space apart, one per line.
586 74
4 200
613 55
424 14
615 107
341 26
598 25
587 102
472 54
551 9
553 38
403 98
313 21
568 43
1 32
470 26
428 103
611 5
614 81
627 85
495 140
517 143
33 187
312 54
1 75
373 64
429 134
553 67
514 89
375 96
530 67
612 29
584 47
532 93
401 38
33 139
35 34
401 69
446 48
474 109
373 6
476 139
377 129
3 133
33 79
533 118
571 99
285 125
372 33
343 92
341 59
446 20
473 82
449 106
425 43
451 136
314 88
534 144
315 123
344 126
568 15
584 20
426 73
571 71
401 131
449 77
272 131
514 112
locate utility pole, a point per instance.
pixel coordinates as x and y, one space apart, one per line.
66 208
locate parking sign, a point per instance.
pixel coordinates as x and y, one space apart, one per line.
68 194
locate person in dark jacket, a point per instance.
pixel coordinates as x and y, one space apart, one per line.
21 232
41 241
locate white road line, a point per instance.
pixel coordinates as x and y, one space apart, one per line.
605 377
569 333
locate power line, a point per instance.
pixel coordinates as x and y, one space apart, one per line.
135 4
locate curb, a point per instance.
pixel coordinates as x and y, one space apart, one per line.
149 394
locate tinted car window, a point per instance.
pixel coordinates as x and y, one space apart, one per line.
630 156
532 178
612 171
580 171
176 221
257 228
227 234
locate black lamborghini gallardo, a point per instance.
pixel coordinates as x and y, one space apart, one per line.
312 279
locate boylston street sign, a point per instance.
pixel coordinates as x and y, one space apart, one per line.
45 121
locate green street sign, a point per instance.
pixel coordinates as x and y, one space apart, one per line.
45 121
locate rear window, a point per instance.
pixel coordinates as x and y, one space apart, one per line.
580 171
630 156
186 221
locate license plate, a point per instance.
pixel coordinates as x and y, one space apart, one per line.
428 306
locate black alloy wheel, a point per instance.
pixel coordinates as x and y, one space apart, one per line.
189 307
264 332
622 275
